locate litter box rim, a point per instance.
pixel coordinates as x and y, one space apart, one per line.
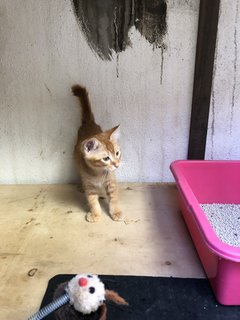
207 233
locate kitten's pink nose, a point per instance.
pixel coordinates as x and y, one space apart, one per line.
83 282
116 164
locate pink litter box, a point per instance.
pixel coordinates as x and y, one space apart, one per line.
201 182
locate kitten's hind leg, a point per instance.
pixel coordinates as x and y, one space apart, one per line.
95 210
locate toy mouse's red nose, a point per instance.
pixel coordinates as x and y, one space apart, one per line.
83 282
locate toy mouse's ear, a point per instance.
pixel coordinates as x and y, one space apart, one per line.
115 297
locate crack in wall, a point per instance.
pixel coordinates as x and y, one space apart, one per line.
117 66
162 62
213 119
234 68
213 97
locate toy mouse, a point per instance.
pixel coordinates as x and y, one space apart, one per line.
88 299
84 297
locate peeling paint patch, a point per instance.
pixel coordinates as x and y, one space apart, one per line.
32 272
106 23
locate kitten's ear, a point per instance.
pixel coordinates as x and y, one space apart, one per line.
114 133
90 145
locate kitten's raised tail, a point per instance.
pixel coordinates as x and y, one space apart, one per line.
82 94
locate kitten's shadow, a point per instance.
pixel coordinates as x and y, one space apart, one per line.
74 196
80 198
104 204
103 200
84 205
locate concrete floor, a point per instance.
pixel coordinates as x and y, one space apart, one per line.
44 233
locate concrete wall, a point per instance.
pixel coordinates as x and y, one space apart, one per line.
223 141
148 91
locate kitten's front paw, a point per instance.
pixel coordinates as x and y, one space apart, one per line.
117 215
92 217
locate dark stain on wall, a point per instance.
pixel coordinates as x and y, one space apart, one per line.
106 23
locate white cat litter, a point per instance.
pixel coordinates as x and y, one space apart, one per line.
225 221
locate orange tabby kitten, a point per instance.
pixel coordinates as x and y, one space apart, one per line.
97 156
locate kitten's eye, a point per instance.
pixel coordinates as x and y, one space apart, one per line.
106 159
117 153
91 289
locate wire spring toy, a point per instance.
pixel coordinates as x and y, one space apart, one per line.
56 304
